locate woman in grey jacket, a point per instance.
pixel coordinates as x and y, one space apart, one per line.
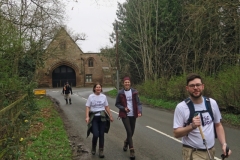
130 108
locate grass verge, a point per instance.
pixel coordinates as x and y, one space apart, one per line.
46 138
231 119
153 102
112 93
159 103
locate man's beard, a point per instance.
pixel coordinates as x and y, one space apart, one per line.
195 97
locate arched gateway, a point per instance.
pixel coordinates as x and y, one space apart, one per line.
63 71
63 74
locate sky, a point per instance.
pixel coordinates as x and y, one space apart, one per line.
93 18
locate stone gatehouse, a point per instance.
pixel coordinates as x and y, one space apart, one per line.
66 62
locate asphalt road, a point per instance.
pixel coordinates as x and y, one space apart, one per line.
153 138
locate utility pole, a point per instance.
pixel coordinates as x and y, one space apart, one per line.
117 63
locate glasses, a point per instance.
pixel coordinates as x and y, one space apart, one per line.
195 85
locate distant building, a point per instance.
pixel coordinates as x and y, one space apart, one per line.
66 62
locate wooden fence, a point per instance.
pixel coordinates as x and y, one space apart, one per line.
8 127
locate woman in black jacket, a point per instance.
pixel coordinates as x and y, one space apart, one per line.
130 108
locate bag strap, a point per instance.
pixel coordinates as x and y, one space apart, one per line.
191 109
208 106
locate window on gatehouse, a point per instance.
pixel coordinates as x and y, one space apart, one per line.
90 62
88 78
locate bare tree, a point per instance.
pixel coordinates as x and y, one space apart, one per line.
76 36
36 22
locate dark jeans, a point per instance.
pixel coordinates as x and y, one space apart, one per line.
129 124
98 128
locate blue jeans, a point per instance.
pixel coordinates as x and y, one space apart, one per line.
98 128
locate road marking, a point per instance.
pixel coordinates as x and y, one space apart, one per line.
114 111
215 158
164 134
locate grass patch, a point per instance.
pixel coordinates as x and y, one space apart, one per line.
46 138
231 119
112 93
153 102
158 103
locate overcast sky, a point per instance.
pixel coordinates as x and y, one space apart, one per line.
94 18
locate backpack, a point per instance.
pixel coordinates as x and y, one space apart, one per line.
192 111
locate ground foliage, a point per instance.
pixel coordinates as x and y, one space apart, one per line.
46 137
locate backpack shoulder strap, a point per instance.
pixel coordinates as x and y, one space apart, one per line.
191 110
208 106
209 109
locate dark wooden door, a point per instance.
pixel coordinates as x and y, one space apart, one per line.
63 74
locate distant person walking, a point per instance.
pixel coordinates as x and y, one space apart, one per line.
195 120
130 108
98 117
67 90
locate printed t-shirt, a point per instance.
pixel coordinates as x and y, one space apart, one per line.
97 103
129 102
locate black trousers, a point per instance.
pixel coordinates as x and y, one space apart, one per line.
129 124
98 128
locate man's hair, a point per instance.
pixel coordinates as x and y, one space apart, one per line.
95 85
193 76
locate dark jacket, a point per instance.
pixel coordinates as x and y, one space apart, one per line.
67 89
121 103
104 117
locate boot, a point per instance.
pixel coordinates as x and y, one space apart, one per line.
125 146
93 150
132 153
66 101
70 101
101 155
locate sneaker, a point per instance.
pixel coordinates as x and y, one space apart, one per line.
101 155
132 154
93 150
125 146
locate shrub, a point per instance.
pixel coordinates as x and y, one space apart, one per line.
153 89
176 88
227 89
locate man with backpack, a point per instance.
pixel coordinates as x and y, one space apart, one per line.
197 121
67 90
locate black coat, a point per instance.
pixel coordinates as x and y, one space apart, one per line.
67 89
